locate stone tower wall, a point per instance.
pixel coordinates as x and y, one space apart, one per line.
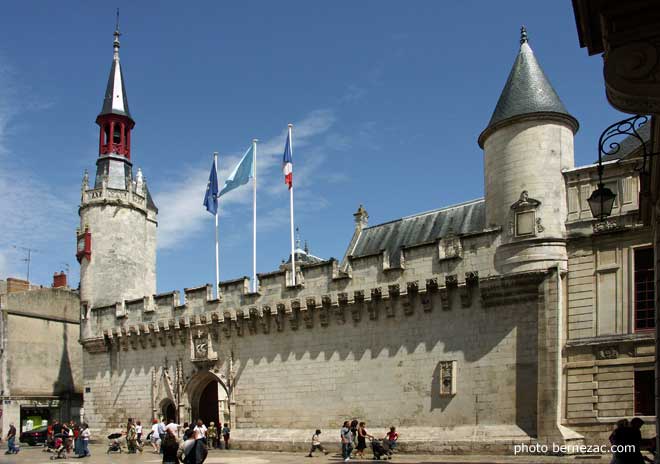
123 248
529 155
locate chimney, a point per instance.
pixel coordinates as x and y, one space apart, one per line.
59 280
17 285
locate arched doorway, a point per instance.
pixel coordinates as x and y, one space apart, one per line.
208 404
208 398
168 410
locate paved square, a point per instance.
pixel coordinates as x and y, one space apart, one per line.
35 455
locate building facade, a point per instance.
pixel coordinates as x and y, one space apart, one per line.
512 318
40 354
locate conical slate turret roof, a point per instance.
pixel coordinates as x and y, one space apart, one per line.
116 100
527 91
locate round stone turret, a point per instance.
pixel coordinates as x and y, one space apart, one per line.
527 144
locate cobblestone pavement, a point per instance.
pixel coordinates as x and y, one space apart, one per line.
35 455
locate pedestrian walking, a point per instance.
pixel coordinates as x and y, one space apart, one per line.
362 436
201 428
131 437
225 435
316 444
77 441
170 447
212 436
346 441
11 441
85 434
194 450
155 436
138 431
392 438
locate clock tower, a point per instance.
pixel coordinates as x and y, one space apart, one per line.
116 240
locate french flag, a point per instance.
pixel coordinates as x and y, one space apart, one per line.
287 163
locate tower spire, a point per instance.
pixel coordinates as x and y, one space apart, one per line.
115 43
523 33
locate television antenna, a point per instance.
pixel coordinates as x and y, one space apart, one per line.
28 257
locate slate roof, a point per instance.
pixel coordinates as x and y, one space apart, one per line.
115 100
630 144
109 104
527 90
465 218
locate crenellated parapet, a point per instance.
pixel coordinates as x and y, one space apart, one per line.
134 197
177 318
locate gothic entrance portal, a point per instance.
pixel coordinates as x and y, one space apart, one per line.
208 398
168 410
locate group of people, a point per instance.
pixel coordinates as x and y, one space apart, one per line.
353 436
61 437
187 443
627 437
69 437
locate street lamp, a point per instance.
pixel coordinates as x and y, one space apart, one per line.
601 200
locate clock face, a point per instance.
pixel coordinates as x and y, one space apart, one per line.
81 244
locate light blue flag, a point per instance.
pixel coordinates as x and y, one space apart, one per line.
242 173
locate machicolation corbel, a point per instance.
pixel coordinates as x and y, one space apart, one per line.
471 282
308 314
294 315
265 319
324 311
340 309
279 317
358 305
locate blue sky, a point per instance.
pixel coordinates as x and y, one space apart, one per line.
387 99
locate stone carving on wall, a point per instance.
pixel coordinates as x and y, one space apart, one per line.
450 247
523 221
447 378
200 342
605 226
632 74
608 352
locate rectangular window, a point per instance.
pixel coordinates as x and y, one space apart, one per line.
644 393
644 290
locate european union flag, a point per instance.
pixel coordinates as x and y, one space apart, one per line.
211 197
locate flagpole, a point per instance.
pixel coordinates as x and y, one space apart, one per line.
254 216
217 261
293 251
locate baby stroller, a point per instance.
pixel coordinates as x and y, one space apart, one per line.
59 449
114 445
380 449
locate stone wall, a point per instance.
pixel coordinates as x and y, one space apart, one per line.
603 351
370 344
41 357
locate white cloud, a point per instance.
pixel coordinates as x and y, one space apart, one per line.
181 214
32 215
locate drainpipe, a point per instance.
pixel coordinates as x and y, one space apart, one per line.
560 345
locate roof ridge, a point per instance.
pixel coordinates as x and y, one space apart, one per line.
424 213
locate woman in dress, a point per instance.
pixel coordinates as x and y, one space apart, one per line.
362 436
